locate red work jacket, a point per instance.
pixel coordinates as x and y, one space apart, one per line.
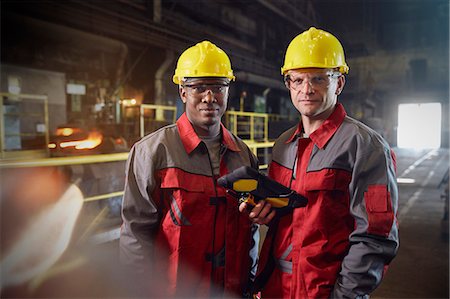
339 244
179 227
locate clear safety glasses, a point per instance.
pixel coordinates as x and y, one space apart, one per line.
315 80
202 89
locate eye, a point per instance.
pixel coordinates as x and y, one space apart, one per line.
297 82
318 80
220 89
199 89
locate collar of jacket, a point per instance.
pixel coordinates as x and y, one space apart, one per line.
191 140
321 136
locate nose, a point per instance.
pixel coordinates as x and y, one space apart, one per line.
308 89
209 97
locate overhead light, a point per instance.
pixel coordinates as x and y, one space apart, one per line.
129 102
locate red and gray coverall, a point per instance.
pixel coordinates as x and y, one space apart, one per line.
340 244
179 227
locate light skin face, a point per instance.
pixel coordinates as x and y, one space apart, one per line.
314 95
206 101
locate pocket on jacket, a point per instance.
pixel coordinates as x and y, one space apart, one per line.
328 179
183 194
177 179
328 196
379 210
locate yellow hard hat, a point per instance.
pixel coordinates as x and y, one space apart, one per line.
315 48
203 60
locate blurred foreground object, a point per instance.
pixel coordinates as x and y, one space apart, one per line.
43 241
42 254
39 211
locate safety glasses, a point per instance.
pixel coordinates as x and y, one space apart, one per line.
315 80
202 89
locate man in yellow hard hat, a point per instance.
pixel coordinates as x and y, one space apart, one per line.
178 224
340 244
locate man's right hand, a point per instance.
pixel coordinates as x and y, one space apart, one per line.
261 213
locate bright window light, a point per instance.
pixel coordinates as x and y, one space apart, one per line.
405 181
419 126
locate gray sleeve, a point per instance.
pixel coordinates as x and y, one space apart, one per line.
373 204
139 212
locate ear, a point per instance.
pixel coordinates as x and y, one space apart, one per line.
182 92
340 85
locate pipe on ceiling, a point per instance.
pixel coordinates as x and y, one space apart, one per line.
283 14
160 77
259 80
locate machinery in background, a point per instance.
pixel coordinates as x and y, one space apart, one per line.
72 139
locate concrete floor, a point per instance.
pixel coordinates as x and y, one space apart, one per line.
421 268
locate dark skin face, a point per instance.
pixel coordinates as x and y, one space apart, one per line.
206 101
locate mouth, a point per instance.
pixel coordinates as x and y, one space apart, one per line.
308 101
209 110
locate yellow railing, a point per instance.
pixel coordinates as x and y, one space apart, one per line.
65 161
62 161
159 115
248 124
254 146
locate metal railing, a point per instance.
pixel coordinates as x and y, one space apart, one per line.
255 146
68 161
248 124
160 115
